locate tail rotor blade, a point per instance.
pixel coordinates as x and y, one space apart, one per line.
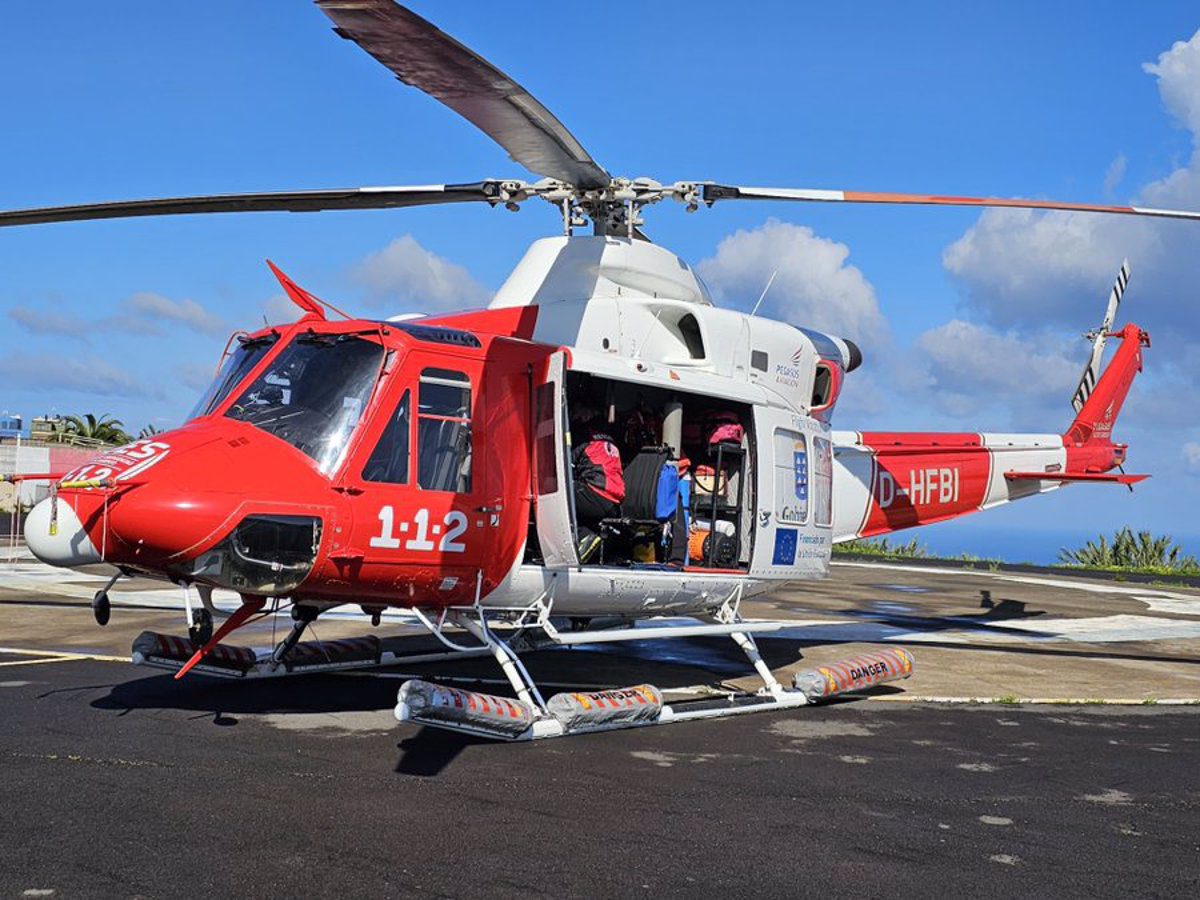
1087 381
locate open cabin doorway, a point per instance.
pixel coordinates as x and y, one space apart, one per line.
704 521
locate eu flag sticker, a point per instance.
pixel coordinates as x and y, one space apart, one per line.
785 547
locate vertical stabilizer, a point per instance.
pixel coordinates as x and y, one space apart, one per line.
1099 412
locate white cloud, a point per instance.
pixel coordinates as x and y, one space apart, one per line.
44 372
143 313
1178 73
410 278
196 376
38 322
1191 457
1115 174
970 366
815 286
279 310
1024 269
154 308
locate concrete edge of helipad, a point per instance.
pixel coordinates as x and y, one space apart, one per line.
54 656
1038 701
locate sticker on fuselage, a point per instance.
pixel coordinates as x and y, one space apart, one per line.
800 467
786 540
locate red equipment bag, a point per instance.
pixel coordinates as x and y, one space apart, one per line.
724 427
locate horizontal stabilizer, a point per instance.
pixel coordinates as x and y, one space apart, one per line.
1106 477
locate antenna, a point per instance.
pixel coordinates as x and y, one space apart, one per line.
638 353
763 295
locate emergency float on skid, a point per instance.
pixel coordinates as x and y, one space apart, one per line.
598 454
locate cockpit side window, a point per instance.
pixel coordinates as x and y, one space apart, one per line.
389 460
444 431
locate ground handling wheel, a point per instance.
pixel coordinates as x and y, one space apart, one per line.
201 629
101 607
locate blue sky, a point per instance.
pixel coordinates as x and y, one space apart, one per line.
140 99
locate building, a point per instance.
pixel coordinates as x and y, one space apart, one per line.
11 427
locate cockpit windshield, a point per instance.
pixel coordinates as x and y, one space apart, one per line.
234 368
313 393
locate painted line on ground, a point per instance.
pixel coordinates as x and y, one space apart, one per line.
1094 587
62 655
1039 701
38 661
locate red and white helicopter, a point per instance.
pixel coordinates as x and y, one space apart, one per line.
425 463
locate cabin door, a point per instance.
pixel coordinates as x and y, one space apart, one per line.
552 467
795 491
423 518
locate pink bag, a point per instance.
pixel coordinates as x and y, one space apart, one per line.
725 427
727 434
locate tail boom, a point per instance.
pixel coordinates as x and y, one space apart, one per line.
888 481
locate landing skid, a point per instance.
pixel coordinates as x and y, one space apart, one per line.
163 651
548 726
530 717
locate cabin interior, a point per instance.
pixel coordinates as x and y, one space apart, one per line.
704 519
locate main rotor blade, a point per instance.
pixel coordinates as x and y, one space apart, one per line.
429 59
714 192
285 201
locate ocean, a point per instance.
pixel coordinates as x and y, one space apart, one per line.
1015 545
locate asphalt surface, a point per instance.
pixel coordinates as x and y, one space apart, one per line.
117 781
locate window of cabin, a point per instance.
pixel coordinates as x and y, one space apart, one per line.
545 443
791 477
689 330
822 481
444 431
758 360
389 460
822 386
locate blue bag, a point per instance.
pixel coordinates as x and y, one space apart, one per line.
668 492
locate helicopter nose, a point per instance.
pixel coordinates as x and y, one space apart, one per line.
56 536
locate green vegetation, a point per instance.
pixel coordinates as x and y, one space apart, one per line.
1126 553
881 547
1140 553
89 430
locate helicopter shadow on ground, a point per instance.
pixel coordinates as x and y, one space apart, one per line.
677 663
890 620
665 663
673 663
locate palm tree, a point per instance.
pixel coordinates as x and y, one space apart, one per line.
103 429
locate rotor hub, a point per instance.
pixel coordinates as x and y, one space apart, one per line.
614 209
